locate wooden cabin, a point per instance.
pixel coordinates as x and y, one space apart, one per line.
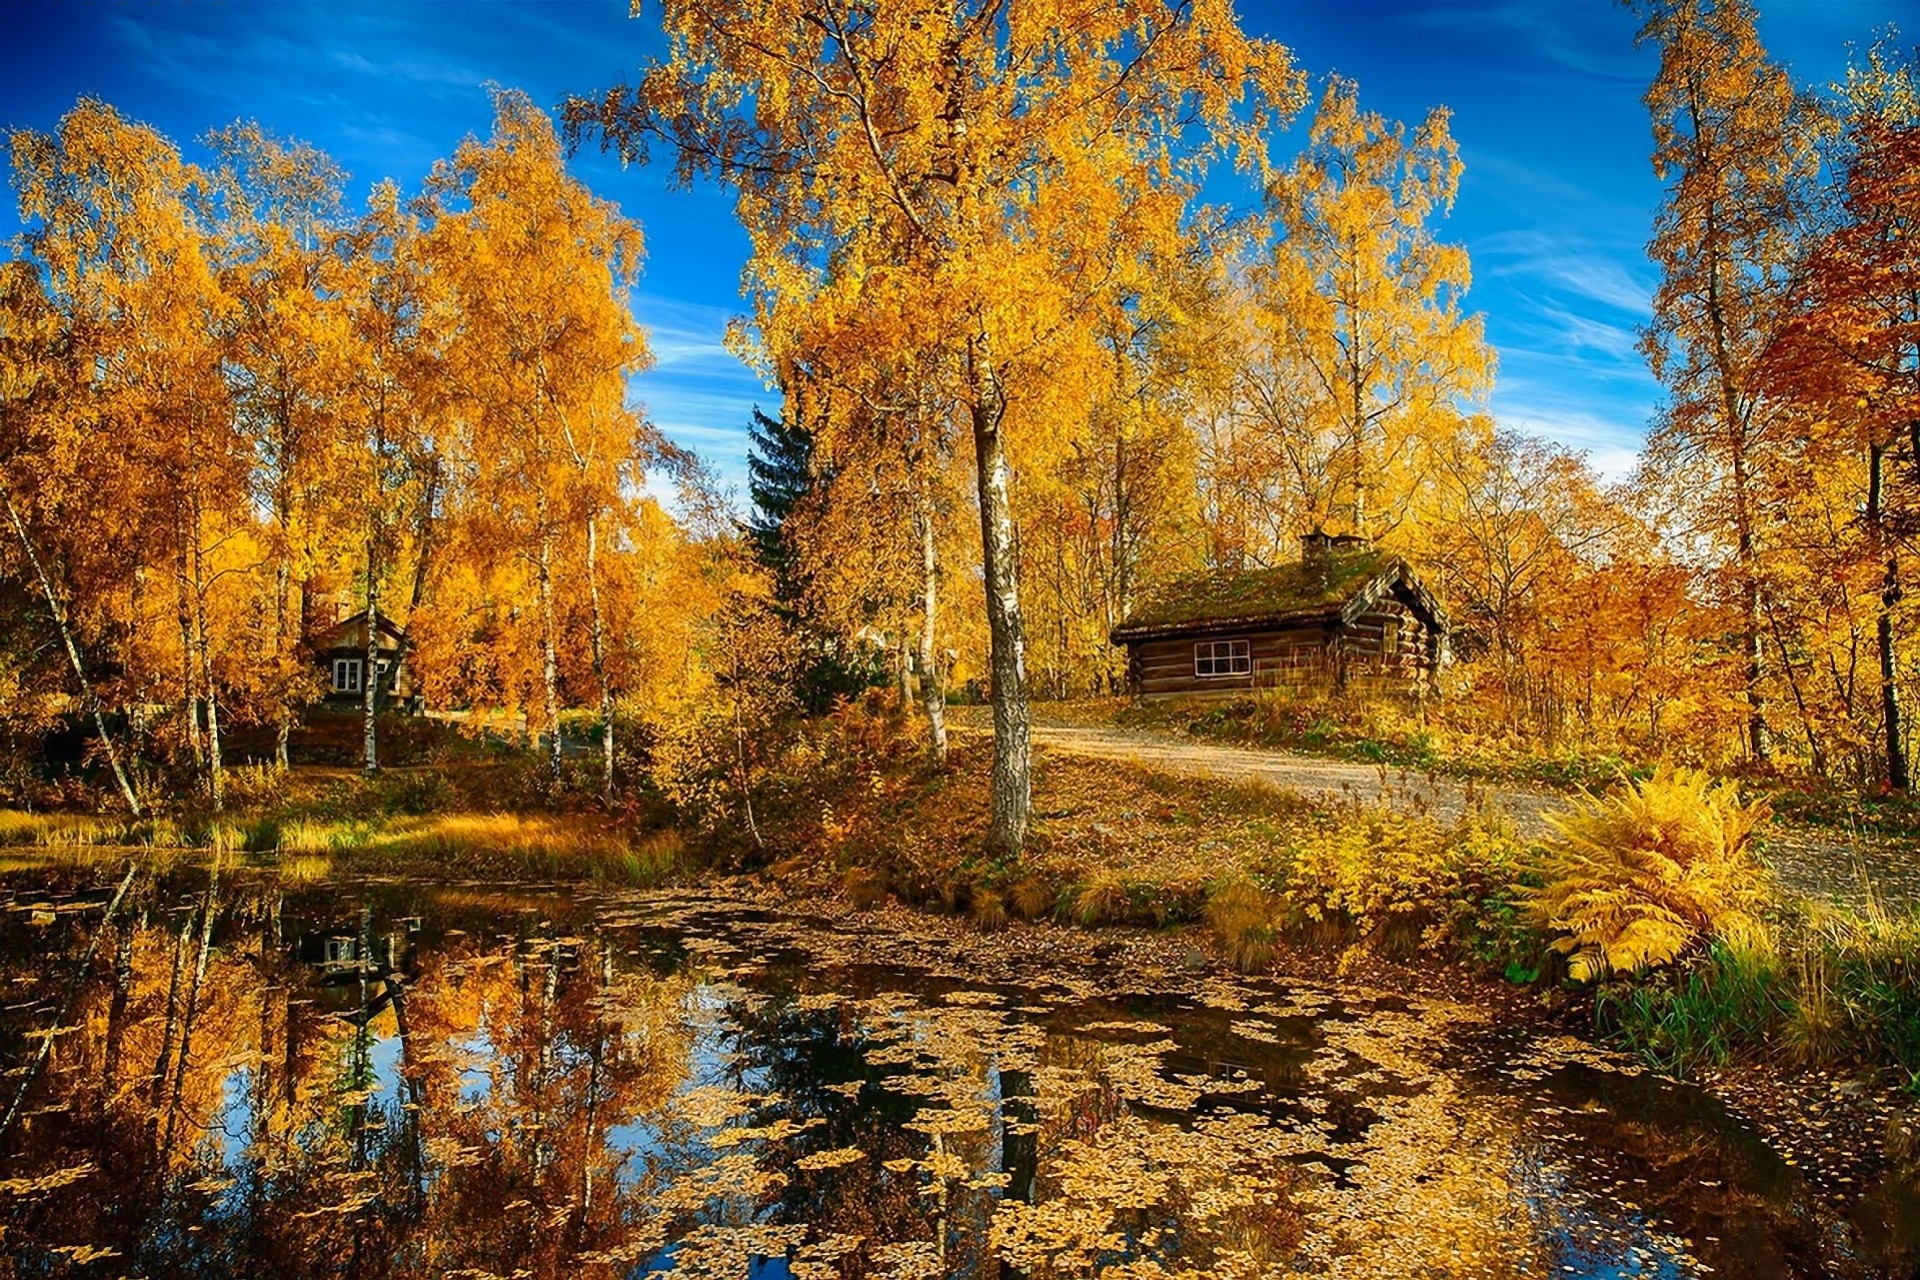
1345 617
340 651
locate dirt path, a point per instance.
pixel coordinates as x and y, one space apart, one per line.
1314 777
1813 862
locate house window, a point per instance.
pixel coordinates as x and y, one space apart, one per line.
346 675
1390 637
380 668
1213 658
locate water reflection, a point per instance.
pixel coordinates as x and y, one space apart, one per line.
413 1080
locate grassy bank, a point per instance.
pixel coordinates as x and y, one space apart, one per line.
480 819
1652 912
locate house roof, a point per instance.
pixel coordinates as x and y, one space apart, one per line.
1334 588
334 636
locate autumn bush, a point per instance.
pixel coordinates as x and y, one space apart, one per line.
1403 882
1636 878
1243 914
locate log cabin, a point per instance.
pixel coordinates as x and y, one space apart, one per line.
340 651
1345 617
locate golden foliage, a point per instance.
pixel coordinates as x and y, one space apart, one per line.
1633 879
1242 915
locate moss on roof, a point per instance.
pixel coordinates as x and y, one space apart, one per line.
1283 592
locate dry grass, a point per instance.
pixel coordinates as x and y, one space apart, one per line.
989 910
1245 918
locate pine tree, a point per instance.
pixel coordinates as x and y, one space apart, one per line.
779 477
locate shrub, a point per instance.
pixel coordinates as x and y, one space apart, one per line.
1241 913
417 793
1657 867
1104 899
255 786
1403 881
1033 896
988 909
864 889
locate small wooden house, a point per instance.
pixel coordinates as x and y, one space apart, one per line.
340 651
1346 616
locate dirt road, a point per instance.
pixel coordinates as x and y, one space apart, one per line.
1814 862
1314 777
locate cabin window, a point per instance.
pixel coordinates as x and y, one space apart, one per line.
380 669
346 675
1390 637
1212 658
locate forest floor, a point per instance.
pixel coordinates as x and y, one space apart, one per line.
1844 867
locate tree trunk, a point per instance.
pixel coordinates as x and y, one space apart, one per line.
933 694
1012 802
549 660
600 661
1890 718
203 661
370 675
283 644
189 684
58 613
424 528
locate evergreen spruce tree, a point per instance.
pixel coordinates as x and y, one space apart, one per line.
779 478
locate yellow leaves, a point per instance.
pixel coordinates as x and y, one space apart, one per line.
1634 879
837 1158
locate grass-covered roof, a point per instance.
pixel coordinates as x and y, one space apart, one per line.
1302 591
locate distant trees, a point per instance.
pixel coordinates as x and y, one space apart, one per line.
226 399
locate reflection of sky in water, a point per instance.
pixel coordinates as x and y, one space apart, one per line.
713 1062
1586 1242
476 1069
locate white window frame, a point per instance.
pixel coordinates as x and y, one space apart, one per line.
346 675
1222 659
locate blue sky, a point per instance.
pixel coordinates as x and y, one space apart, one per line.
1554 208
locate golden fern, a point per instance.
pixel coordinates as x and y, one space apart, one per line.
1634 879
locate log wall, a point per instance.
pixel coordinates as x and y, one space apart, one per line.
1358 657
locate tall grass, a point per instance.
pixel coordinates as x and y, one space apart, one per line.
1736 998
1833 988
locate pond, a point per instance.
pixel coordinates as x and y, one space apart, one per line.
396 1078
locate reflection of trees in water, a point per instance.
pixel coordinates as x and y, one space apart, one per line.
233 1108
253 1084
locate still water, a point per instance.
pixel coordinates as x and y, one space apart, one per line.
373 1079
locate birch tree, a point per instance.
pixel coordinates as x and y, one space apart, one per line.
541 273
994 158
1735 141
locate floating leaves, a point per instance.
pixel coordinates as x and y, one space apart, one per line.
856 1102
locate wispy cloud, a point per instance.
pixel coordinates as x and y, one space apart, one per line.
1554 264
